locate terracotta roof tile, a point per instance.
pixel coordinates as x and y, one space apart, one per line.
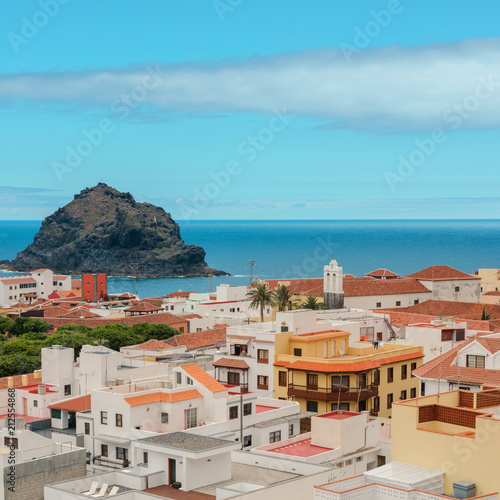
441 273
14 280
81 403
231 363
144 306
81 312
203 378
382 273
184 295
164 397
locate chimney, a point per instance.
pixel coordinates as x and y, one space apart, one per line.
10 383
24 380
42 389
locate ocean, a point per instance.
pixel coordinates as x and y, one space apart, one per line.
291 249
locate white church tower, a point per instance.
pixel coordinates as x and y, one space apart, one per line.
333 294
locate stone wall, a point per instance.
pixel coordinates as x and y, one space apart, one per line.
31 477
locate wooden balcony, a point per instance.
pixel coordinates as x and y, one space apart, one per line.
332 393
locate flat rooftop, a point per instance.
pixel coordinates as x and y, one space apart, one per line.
302 448
339 415
187 442
250 474
263 408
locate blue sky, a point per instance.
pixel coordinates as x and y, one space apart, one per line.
250 109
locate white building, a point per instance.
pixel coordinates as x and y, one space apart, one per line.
351 442
469 366
447 283
395 480
41 283
193 401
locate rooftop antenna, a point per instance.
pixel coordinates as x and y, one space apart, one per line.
251 263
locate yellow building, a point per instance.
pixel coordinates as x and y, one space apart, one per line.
453 432
490 279
323 373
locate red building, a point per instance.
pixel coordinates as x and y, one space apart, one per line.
95 287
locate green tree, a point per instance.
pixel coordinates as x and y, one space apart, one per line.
149 331
283 298
5 324
312 302
27 325
261 296
485 316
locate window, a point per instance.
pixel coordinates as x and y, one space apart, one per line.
340 381
376 377
459 335
376 403
104 417
145 457
262 382
413 393
297 352
446 335
416 301
379 336
390 399
119 420
67 390
390 375
262 356
189 381
56 414
359 459
362 380
35 403
178 376
403 395
404 372
422 389
232 310
104 450
233 378
367 331
312 381
348 462
247 409
274 437
87 428
312 406
341 406
398 303
171 308
238 349
413 367
282 379
475 361
121 453
11 442
284 328
379 304
233 412
164 417
290 430
247 441
191 418
457 289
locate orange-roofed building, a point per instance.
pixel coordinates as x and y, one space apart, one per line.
189 399
324 371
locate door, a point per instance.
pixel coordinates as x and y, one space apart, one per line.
171 471
25 406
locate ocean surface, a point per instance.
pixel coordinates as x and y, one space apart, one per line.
300 249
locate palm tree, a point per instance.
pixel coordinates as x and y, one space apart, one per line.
311 302
283 298
261 296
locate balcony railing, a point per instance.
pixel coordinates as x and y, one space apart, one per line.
243 387
113 464
333 393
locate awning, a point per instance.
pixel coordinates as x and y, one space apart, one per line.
239 341
111 439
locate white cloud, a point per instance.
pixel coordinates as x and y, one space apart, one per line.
386 89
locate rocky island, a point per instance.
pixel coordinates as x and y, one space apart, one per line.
105 231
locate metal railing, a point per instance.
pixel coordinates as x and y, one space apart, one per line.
333 393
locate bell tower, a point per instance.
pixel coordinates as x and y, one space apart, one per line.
333 294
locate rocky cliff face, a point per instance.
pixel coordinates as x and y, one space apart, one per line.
103 230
